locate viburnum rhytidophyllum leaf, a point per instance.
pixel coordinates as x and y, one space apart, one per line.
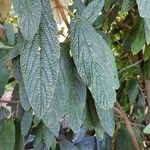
39 60
93 10
18 76
144 8
29 16
95 62
5 6
70 95
7 135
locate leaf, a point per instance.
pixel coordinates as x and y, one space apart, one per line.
40 63
79 6
26 122
126 5
4 72
5 6
147 129
147 29
29 14
9 33
70 95
91 117
92 11
122 141
38 136
144 8
147 53
95 63
138 37
19 144
7 135
107 120
42 146
48 137
3 113
133 91
18 76
66 145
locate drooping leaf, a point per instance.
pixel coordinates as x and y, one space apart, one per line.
48 137
5 6
42 146
147 53
138 37
70 95
4 72
18 76
133 91
26 122
29 13
92 11
95 63
147 129
7 135
91 119
107 120
66 145
9 33
144 8
126 5
38 136
79 6
147 29
3 113
19 143
122 141
40 63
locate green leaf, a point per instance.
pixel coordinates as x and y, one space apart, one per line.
9 33
95 63
3 113
38 136
48 137
26 122
18 76
133 91
7 135
147 53
29 14
147 29
122 141
66 145
91 118
70 95
40 63
4 72
138 37
147 129
92 11
127 4
19 144
107 120
144 8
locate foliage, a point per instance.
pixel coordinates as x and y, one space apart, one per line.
83 85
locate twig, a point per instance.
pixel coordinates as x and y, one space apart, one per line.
10 102
130 66
121 112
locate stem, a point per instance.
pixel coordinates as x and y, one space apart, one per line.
123 115
130 66
10 102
